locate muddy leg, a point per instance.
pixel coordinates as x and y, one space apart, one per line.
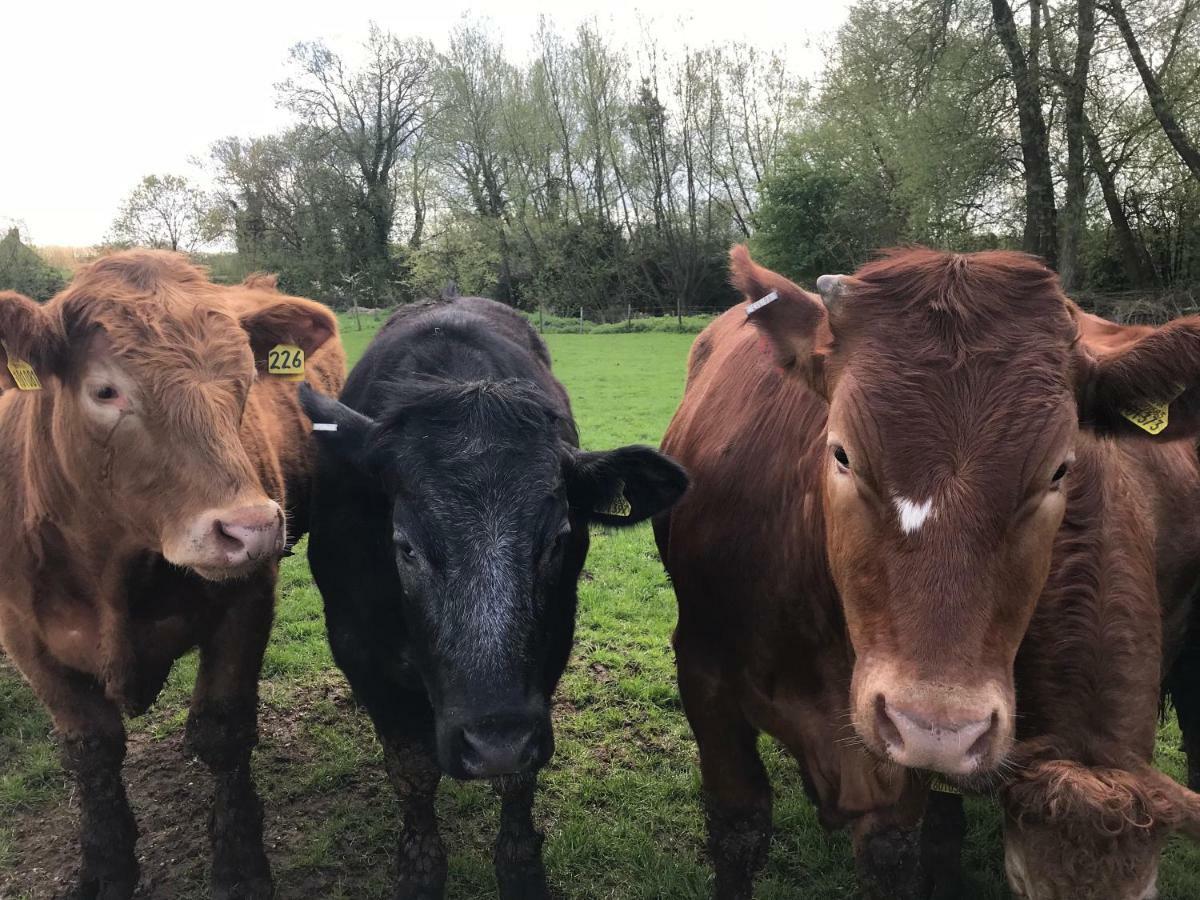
420 857
737 795
107 830
222 730
942 832
518 850
887 857
91 738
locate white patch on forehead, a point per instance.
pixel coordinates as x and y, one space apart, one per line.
912 514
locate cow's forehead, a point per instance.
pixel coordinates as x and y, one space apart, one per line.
979 432
189 333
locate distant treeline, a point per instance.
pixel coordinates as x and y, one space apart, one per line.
614 178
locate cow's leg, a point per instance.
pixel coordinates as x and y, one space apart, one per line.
420 857
222 730
737 794
942 833
518 851
1183 685
887 857
91 739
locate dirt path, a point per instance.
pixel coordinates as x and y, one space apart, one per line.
171 793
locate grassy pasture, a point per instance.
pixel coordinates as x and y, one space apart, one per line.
619 803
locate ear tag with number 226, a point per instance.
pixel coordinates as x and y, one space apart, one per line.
286 361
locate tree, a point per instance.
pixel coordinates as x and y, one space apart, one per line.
370 117
1040 236
1074 88
165 212
1159 102
23 270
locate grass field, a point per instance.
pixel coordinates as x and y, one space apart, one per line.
619 803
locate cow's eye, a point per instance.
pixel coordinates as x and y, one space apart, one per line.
106 393
405 549
1059 473
839 455
560 539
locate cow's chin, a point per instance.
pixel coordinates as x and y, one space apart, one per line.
236 573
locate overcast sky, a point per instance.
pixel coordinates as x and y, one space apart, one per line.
97 95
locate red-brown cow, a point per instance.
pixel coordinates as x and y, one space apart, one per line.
143 494
892 495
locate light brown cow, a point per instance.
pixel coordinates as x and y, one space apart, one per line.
897 527
146 494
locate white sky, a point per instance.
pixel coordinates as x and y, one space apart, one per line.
96 95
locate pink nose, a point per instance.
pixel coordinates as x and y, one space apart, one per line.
248 535
953 742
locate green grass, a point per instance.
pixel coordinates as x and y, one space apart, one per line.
620 801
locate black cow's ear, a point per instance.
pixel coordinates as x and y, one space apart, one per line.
624 486
336 427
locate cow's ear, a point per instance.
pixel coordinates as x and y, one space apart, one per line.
342 431
624 486
1139 381
29 335
1174 806
289 320
794 324
1059 792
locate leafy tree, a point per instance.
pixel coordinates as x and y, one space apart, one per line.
368 119
23 270
165 212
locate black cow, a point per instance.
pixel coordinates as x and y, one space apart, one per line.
448 532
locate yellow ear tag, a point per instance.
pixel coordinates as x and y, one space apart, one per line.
1151 417
286 361
942 786
618 506
23 374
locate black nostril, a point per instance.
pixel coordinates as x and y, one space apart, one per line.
884 725
492 750
229 541
982 743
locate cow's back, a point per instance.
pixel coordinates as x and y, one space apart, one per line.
407 344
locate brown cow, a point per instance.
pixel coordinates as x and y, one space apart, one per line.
891 495
143 492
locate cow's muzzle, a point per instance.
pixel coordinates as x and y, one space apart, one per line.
227 543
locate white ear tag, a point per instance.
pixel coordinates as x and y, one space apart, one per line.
761 302
324 426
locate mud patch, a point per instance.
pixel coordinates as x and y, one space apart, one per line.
311 834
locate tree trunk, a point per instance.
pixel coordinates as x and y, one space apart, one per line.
1040 226
1133 251
1074 215
1158 102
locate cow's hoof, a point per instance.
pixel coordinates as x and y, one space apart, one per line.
524 884
262 888
100 889
733 889
410 889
